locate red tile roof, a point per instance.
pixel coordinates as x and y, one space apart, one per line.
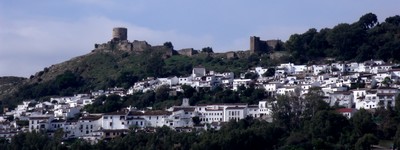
345 110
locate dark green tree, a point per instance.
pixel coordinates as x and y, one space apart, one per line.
207 50
366 141
162 93
363 123
168 45
270 72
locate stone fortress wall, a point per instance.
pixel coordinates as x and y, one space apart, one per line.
120 41
260 46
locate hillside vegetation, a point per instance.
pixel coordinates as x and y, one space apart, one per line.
362 40
359 41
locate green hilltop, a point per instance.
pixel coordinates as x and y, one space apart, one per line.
121 63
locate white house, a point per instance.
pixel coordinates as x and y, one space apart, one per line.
235 113
239 82
341 98
198 72
272 87
347 112
156 118
88 124
253 111
170 81
317 69
42 122
185 80
114 120
264 109
210 113
368 101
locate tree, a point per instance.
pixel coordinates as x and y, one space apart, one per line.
188 91
68 79
126 79
162 93
196 120
80 145
113 103
251 75
396 141
270 72
168 45
397 105
365 142
22 123
286 112
328 126
363 123
387 81
343 39
30 140
154 64
313 102
207 50
368 21
395 20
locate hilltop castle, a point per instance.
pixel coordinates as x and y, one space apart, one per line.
260 46
120 42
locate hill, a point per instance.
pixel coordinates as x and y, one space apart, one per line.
111 65
121 63
9 85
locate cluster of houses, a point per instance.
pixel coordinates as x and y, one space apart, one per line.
367 85
61 114
353 86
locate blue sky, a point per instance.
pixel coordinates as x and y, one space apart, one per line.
40 33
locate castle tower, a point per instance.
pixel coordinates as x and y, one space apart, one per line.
254 44
120 33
